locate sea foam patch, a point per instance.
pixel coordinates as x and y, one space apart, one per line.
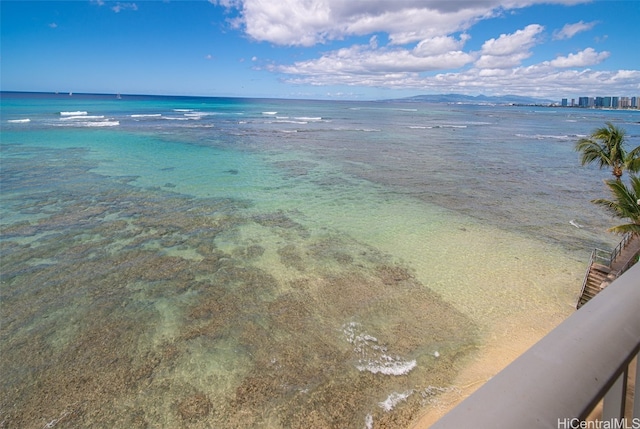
394 399
372 356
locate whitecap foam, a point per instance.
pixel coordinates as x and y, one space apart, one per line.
308 118
547 136
147 115
363 130
76 113
286 121
183 110
374 357
19 121
394 399
196 115
102 124
387 365
368 421
81 117
107 123
176 118
269 113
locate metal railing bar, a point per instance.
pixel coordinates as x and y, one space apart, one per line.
586 276
623 243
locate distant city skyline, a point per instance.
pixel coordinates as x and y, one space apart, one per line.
609 101
325 49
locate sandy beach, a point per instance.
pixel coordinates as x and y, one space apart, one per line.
501 348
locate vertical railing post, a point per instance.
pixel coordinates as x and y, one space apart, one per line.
636 395
614 399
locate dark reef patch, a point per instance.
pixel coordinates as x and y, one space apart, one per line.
115 297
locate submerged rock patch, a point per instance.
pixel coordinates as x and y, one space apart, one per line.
121 310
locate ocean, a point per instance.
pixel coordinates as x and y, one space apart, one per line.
216 262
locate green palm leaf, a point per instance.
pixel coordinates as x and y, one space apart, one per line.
624 204
605 147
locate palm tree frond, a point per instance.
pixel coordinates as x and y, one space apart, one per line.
624 204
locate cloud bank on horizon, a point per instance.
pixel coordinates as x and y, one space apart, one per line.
423 45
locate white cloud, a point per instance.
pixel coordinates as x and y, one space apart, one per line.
309 22
570 30
124 6
587 57
53 25
508 44
424 47
509 50
439 45
502 61
542 80
428 55
208 57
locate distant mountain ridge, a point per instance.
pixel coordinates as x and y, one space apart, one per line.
470 99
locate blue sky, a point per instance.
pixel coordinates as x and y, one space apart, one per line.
326 49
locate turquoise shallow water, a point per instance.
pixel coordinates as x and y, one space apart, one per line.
186 262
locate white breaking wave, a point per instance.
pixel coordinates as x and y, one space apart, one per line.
177 118
364 130
374 357
77 113
19 121
387 365
430 127
309 118
101 124
394 399
368 422
183 110
286 121
148 115
548 137
89 124
82 117
269 113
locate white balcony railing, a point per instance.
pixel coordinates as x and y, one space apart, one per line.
559 381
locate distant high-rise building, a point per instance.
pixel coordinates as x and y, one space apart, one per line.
625 102
599 102
565 102
607 102
615 102
634 102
